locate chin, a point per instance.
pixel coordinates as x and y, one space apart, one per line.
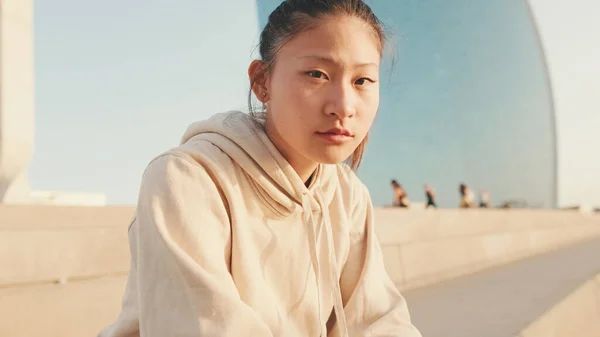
332 158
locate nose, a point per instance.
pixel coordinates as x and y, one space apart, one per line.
341 101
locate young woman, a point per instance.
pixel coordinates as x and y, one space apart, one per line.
252 226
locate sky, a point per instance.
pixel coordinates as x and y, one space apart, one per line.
117 83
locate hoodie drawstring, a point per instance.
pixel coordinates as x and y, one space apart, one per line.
308 220
315 231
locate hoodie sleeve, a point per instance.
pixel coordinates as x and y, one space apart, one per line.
372 304
183 232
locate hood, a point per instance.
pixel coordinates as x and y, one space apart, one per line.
243 139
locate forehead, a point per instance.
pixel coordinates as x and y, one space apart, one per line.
345 39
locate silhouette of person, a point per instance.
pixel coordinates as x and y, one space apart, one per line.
430 196
466 196
400 196
484 199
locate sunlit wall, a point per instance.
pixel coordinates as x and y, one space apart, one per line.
570 34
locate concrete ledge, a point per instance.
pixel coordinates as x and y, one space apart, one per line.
67 310
396 226
576 315
44 256
87 248
37 217
42 244
426 247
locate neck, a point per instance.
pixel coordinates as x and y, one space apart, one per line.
303 166
305 173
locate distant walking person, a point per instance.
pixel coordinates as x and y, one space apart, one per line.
400 197
430 196
466 196
484 199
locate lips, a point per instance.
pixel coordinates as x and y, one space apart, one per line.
337 132
336 136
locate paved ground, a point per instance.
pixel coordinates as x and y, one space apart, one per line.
501 301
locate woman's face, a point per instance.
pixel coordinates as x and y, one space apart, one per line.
323 92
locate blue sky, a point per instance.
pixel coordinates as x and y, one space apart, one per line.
117 82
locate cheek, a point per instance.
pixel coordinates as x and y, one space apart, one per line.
369 110
285 109
293 102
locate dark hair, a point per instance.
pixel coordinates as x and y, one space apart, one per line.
295 16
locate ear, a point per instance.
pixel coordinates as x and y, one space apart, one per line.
257 73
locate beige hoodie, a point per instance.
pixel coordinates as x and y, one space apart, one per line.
229 242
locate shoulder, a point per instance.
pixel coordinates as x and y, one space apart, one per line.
177 190
188 164
193 155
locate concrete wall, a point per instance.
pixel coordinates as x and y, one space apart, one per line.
44 244
62 269
65 198
576 315
65 268
426 247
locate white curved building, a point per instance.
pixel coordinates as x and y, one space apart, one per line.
570 35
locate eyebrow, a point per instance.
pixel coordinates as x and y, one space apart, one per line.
330 60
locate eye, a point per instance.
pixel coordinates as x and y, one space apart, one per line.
364 80
316 74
